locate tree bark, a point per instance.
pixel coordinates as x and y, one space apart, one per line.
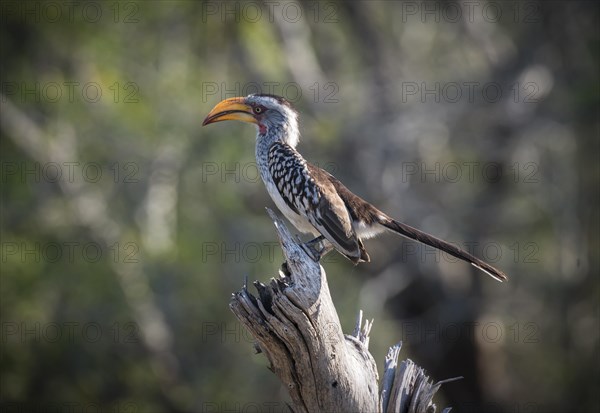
295 324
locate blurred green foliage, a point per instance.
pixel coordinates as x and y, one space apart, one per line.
126 226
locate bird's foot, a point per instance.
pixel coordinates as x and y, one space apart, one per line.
312 251
284 270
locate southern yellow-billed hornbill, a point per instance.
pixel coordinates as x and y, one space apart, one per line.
311 198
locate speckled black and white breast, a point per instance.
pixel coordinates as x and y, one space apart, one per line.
288 181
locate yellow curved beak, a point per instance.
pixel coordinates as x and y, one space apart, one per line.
230 109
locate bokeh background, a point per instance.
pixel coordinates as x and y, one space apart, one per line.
126 225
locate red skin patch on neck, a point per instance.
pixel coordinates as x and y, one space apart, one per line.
262 128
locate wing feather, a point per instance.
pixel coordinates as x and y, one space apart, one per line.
296 180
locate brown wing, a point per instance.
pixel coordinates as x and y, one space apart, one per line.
307 190
331 217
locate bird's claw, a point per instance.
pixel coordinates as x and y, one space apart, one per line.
311 251
284 270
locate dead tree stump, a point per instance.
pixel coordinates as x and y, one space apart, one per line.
296 326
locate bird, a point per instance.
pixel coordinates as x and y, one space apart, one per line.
312 199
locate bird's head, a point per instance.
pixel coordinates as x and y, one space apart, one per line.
273 116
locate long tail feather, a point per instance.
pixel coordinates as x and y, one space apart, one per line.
413 233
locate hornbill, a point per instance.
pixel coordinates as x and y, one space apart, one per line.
311 198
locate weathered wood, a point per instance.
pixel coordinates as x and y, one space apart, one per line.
295 324
406 388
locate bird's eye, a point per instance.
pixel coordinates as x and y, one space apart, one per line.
258 109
